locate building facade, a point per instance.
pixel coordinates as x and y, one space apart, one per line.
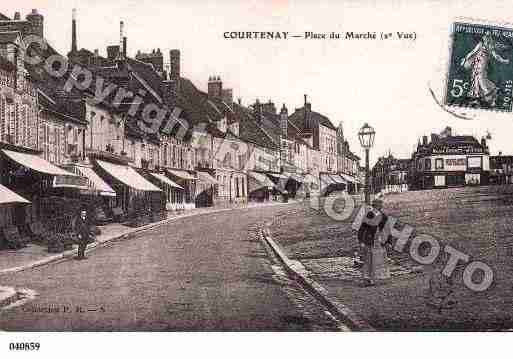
449 161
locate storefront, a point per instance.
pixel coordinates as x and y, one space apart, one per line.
259 187
50 188
207 189
454 171
175 199
9 201
134 194
188 182
353 184
331 182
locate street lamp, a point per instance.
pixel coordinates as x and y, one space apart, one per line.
366 137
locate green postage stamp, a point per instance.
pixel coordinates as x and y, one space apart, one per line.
481 67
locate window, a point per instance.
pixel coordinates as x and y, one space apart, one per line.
427 164
237 194
439 164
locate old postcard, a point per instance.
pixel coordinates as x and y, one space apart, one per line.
254 166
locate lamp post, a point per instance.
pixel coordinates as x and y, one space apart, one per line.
366 137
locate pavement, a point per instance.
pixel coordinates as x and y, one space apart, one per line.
34 254
474 220
209 272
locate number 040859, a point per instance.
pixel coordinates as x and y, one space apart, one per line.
24 346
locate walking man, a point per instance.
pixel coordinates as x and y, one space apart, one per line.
84 234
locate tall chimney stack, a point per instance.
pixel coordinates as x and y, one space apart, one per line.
174 68
284 148
73 31
121 49
124 47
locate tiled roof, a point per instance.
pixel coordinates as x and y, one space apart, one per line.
69 105
271 124
249 130
298 118
3 17
67 108
148 73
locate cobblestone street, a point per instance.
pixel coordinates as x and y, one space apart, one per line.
209 272
476 221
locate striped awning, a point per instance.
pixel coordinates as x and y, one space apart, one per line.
182 174
338 179
37 163
295 177
309 178
128 176
7 196
349 178
277 175
261 179
95 181
207 178
165 180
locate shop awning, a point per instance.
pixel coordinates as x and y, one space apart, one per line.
207 178
128 176
277 175
348 178
326 180
36 163
338 179
95 181
295 177
182 174
262 179
165 180
311 179
7 196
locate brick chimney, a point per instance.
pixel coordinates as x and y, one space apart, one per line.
112 52
37 23
17 16
269 107
284 149
215 87
284 117
73 31
257 111
308 113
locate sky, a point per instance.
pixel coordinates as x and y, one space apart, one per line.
384 83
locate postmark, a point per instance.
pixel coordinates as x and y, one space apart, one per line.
480 67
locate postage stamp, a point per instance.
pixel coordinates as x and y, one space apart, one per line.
481 67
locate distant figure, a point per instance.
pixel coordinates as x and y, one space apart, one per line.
477 60
84 234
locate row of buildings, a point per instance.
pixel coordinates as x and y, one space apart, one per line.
441 161
63 146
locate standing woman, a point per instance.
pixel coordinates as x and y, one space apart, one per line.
370 237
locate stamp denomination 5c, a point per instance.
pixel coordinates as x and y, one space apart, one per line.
481 67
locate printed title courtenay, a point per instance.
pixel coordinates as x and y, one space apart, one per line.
271 35
284 35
